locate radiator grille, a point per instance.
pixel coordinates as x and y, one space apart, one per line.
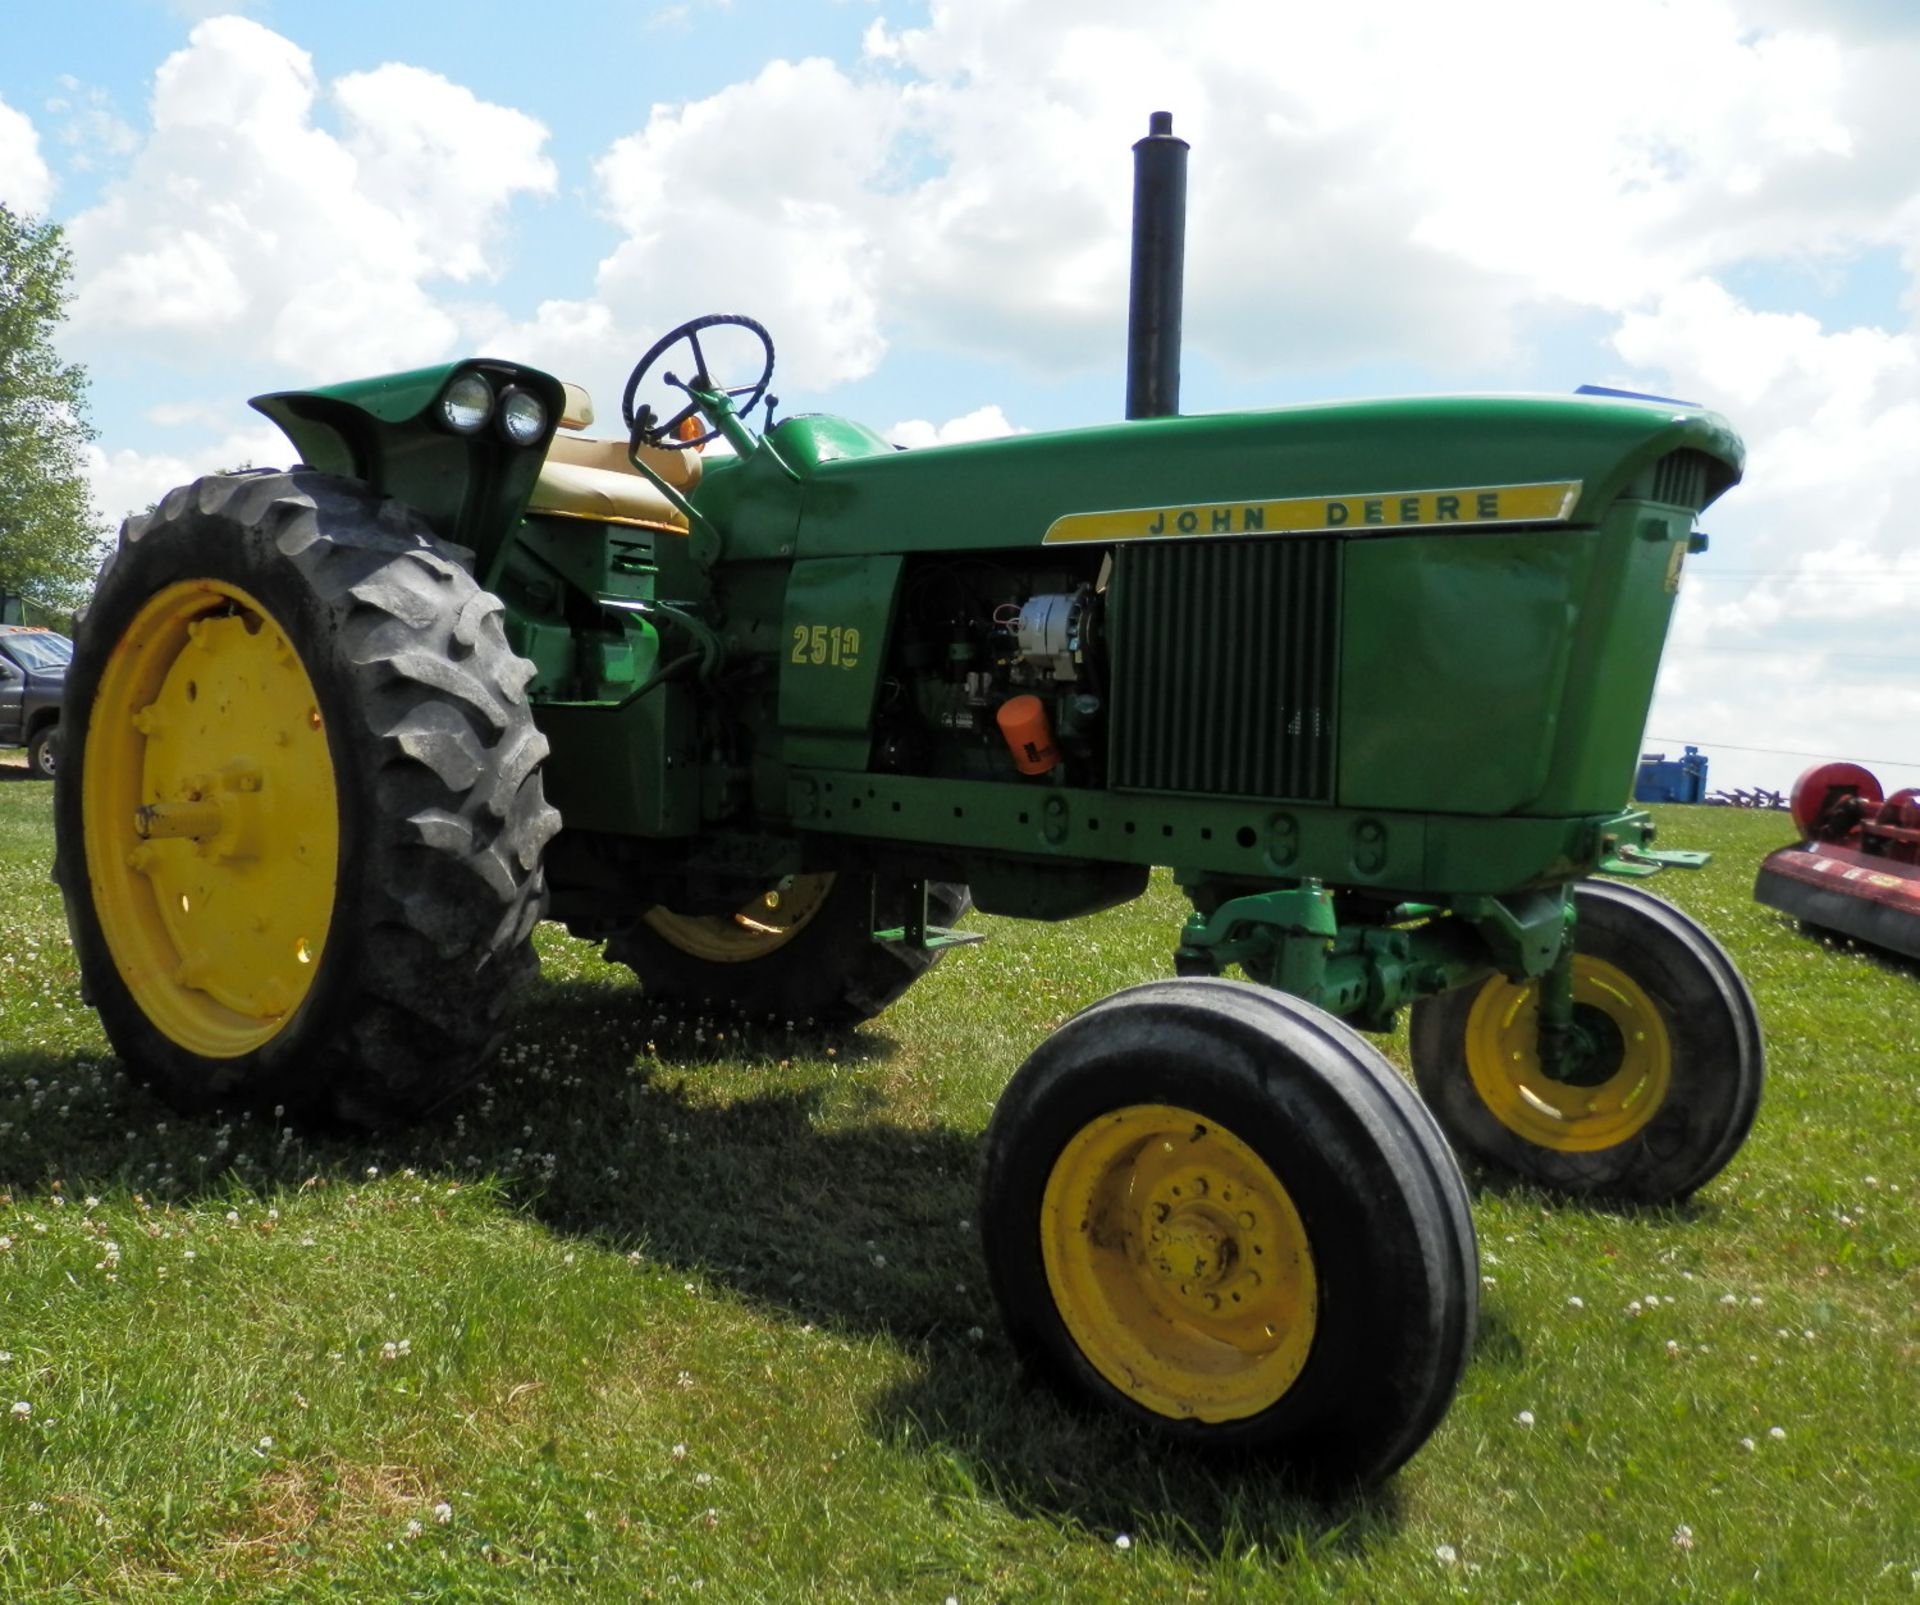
1680 478
1223 658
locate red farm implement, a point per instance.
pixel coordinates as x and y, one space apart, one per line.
1857 869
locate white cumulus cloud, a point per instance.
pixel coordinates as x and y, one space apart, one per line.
246 229
983 423
25 183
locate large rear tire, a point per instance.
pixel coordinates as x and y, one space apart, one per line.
1220 1212
1667 1088
298 810
803 950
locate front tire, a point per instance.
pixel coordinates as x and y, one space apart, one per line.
1220 1212
1670 1084
803 951
298 810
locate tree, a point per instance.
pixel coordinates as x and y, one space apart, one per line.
48 530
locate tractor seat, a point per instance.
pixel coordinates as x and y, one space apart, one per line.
584 478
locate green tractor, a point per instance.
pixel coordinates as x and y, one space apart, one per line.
1369 677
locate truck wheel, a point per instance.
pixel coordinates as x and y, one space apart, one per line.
1665 1089
803 950
40 754
1220 1212
298 816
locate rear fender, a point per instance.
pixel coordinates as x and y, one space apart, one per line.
390 433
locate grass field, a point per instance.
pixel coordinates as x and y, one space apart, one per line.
671 1308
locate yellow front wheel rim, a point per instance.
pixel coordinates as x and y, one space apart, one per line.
758 927
211 818
1179 1264
1504 1061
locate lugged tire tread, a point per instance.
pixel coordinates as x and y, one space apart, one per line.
449 886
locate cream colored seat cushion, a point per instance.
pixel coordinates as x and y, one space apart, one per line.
584 478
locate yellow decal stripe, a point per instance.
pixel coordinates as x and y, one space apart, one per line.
1467 507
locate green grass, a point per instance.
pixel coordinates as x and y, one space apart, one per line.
671 1306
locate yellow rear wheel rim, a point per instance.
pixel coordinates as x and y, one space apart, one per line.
758 927
211 818
1179 1264
1504 1062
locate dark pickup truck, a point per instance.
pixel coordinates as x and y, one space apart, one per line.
33 675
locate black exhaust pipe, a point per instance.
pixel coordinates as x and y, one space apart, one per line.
1159 256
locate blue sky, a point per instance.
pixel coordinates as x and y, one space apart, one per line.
1706 198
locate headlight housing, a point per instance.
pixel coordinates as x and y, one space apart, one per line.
466 404
523 417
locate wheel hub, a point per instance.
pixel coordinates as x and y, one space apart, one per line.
212 820
1179 1264
1609 1082
766 921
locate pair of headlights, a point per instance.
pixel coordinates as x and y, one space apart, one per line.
468 402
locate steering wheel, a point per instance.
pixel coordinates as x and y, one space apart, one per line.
641 423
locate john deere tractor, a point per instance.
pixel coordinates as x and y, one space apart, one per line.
1370 678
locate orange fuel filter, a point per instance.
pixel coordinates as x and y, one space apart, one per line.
1029 737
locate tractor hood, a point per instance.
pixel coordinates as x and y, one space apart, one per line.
1356 468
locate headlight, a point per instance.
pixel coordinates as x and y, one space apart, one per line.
466 403
522 418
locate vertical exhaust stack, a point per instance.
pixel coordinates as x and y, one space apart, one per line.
1159 256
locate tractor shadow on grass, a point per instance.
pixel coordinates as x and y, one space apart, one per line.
791 1189
852 1221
